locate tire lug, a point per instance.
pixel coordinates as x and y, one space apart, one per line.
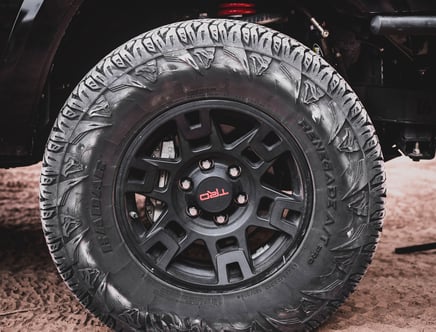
206 164
221 219
192 211
241 199
185 184
234 171
133 215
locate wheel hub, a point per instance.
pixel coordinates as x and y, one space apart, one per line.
211 191
214 194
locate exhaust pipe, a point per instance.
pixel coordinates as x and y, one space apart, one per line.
408 25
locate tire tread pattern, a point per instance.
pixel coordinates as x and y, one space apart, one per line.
256 49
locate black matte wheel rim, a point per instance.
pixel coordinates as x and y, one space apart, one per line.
213 195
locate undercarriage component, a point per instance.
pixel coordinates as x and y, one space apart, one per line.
418 143
417 25
399 105
236 9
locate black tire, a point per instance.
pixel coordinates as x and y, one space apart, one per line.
212 175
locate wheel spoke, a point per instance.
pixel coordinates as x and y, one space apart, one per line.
161 246
261 222
243 245
215 138
279 212
236 258
243 142
187 241
140 187
295 202
194 125
213 252
145 188
149 179
162 221
152 170
184 148
260 168
267 145
147 164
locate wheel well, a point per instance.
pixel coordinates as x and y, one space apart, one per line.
95 30
98 28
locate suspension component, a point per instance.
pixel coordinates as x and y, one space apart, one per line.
315 24
236 9
324 33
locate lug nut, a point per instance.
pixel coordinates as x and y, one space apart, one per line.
192 211
241 199
221 219
234 171
185 184
133 215
206 164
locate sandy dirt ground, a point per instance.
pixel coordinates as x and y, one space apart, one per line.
398 293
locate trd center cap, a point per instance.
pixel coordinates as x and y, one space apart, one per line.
214 194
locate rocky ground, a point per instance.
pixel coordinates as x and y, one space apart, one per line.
398 293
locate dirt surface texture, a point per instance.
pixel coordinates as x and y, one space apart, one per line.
398 292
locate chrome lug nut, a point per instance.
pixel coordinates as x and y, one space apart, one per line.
221 219
234 171
192 211
133 215
241 199
185 184
206 164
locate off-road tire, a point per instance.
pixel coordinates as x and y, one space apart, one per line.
298 142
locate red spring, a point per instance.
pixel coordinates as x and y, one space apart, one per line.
236 9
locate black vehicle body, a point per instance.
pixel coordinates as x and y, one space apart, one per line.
42 58
212 165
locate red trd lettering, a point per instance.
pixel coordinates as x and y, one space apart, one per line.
212 194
